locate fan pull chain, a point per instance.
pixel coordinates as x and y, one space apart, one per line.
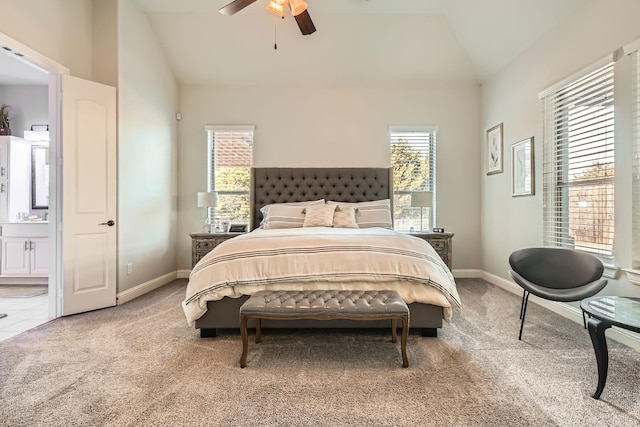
275 36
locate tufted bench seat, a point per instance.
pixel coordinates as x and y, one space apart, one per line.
325 305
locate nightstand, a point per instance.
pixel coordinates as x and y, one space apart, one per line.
203 243
441 242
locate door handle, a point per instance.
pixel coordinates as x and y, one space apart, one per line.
110 223
30 245
3 171
26 245
2 187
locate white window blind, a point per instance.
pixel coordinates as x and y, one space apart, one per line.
413 159
230 157
578 170
635 57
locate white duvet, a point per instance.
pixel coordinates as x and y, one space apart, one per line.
318 258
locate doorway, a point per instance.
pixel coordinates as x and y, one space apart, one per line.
24 283
82 205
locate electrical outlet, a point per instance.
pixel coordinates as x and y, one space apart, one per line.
129 268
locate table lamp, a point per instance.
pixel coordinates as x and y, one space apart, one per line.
207 199
421 199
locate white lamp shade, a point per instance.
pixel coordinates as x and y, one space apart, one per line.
421 199
297 6
207 199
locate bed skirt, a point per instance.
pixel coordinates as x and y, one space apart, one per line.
224 314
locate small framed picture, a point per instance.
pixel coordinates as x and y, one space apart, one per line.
522 176
494 150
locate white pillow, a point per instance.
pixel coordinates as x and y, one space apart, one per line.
319 216
376 213
344 217
288 217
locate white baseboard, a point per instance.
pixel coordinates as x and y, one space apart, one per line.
565 310
143 288
466 274
183 274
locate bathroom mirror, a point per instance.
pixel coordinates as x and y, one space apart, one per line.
39 177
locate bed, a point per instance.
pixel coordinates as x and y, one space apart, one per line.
216 291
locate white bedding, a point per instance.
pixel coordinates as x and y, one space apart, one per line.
318 258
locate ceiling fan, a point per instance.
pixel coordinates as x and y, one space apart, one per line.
298 10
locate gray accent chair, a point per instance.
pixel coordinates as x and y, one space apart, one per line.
555 274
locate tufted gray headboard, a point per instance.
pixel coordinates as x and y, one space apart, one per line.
281 185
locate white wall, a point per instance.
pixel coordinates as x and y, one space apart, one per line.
340 126
29 106
58 29
147 153
511 97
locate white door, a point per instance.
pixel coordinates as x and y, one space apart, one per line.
87 136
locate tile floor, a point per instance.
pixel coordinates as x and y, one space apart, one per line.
22 314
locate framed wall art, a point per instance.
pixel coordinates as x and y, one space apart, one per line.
522 176
494 150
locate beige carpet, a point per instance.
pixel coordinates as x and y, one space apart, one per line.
22 291
139 364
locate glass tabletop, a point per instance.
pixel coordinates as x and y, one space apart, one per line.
620 311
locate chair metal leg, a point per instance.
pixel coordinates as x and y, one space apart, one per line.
524 294
525 301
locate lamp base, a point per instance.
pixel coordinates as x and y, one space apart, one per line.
207 226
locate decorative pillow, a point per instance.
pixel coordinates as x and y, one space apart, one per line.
267 211
344 217
284 217
376 213
319 215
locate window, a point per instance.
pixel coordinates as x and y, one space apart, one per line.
578 170
230 155
413 159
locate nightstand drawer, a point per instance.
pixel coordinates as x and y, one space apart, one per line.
440 242
203 243
438 245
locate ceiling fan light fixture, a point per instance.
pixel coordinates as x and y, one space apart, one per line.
297 6
282 3
276 8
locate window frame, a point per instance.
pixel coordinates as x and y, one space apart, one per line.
558 103
430 152
211 130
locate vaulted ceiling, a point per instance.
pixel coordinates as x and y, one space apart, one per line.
356 40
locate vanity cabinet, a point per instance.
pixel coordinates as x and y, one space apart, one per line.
15 177
23 256
24 250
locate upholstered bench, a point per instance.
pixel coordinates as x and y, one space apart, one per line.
325 305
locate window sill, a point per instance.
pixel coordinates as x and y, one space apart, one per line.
632 275
611 271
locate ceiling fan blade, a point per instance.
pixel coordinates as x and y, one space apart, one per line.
235 6
305 23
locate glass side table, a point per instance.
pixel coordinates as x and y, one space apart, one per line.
605 312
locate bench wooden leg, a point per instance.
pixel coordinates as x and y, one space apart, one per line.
245 340
403 342
258 330
394 333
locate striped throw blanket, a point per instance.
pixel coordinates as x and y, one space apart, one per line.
321 258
